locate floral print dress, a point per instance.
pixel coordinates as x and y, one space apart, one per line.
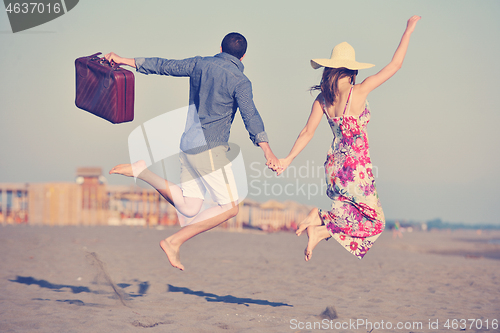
356 218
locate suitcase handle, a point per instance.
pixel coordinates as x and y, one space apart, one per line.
112 65
89 58
95 55
102 60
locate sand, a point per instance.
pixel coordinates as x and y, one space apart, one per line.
117 279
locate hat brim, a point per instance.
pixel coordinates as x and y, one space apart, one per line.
349 64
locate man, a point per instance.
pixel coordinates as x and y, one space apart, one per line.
218 88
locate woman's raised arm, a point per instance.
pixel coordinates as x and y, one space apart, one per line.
385 73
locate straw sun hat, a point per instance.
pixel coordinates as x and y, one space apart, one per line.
342 56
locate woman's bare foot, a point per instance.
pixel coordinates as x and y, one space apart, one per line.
172 254
311 219
316 234
129 170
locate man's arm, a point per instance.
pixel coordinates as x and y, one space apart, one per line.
253 122
158 66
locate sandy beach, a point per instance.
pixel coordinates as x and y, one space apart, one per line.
117 279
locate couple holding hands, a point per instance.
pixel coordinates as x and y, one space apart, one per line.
218 88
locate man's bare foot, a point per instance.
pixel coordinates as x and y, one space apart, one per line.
172 254
311 219
316 234
129 170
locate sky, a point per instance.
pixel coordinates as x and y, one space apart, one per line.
434 138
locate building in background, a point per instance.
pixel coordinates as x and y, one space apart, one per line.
87 201
13 203
91 201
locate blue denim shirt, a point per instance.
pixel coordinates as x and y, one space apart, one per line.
217 88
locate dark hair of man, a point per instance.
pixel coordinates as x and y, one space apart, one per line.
331 76
234 44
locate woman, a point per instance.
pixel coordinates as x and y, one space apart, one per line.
356 218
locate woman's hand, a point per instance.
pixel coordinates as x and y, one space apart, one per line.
412 22
373 81
284 164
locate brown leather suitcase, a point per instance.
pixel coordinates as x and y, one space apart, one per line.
104 89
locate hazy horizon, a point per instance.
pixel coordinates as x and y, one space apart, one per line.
433 131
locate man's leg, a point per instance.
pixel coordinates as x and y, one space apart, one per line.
217 177
205 221
171 192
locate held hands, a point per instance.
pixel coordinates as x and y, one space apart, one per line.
284 164
412 22
272 162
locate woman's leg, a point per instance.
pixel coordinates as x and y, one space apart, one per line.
316 234
311 219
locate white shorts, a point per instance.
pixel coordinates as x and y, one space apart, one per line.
208 171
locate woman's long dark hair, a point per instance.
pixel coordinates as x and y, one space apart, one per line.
328 84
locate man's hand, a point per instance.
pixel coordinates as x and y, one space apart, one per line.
115 58
272 161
